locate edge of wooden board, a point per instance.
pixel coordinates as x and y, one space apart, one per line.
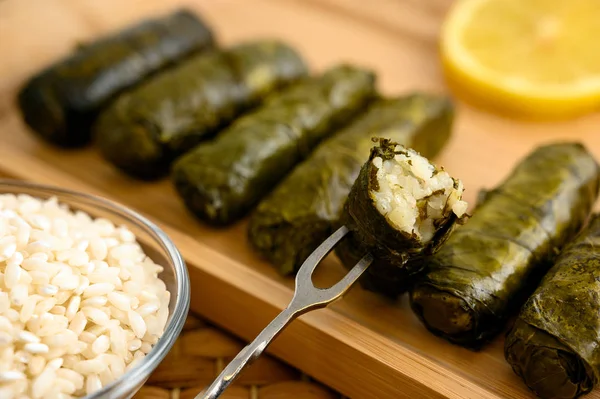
324 343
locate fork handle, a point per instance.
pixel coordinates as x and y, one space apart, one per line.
249 354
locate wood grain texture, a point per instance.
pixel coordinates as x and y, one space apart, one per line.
187 370
362 346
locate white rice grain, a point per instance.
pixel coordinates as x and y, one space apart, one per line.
28 308
5 324
45 305
8 247
148 308
135 302
66 281
100 266
5 339
92 384
87 337
124 274
69 361
38 348
37 365
82 245
43 256
63 339
4 302
11 376
146 348
78 323
12 315
87 269
134 345
60 228
98 248
137 323
62 297
95 301
17 259
38 277
18 294
87 367
7 391
75 378
58 310
57 353
119 301
65 386
84 282
137 358
43 384
12 274
101 344
77 348
55 364
79 258
98 329
28 337
48 290
73 307
98 290
40 222
22 236
80 302
132 288
117 367
38 246
119 315
95 315
111 242
126 235
118 341
106 376
25 278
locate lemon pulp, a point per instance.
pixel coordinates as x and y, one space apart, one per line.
534 58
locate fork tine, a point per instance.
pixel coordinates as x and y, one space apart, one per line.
308 296
308 267
339 288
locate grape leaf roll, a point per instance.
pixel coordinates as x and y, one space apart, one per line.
221 180
554 344
146 128
487 267
62 101
400 209
306 206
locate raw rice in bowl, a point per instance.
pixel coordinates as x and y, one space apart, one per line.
92 295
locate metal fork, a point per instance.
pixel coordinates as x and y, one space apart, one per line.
306 298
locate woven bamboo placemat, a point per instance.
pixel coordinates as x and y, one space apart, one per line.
200 354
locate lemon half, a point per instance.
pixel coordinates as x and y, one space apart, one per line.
532 58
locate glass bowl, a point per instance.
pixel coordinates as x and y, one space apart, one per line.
157 245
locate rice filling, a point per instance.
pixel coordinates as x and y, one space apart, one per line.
414 195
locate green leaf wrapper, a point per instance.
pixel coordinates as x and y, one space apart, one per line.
554 344
305 208
146 128
221 180
489 266
397 254
61 102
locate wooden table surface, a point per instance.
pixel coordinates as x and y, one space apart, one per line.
363 346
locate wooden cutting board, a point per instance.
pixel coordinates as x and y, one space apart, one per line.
363 346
